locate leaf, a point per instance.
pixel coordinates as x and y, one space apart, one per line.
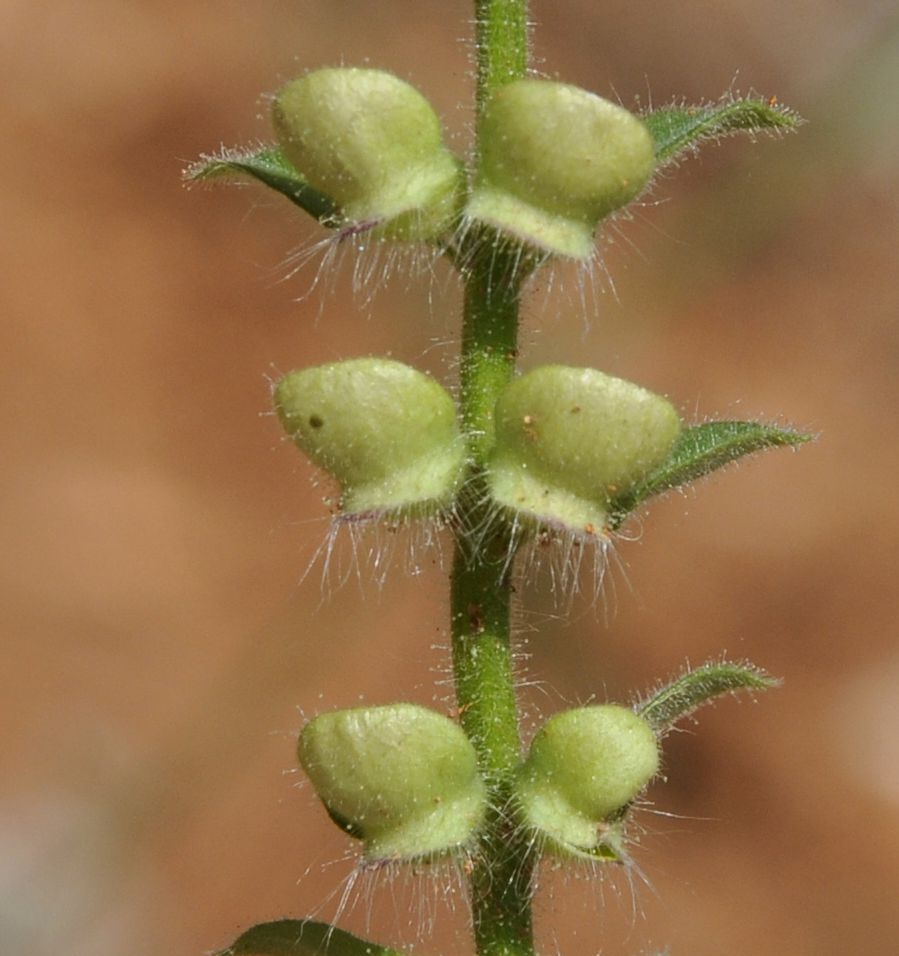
679 128
697 687
700 450
293 937
269 166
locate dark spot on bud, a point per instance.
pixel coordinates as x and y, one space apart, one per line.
315 421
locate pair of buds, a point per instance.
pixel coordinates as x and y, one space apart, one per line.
568 441
553 159
404 780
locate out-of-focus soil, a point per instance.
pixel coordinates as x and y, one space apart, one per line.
159 646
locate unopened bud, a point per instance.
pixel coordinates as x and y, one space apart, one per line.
401 778
385 431
374 145
584 767
554 161
569 440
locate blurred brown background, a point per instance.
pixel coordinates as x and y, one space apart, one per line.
159 649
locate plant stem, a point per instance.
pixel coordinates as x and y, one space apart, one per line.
501 37
481 589
481 584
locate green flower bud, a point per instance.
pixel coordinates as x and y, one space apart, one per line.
401 778
554 161
568 440
584 767
374 145
385 431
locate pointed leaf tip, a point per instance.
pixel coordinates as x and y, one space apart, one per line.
269 166
703 449
291 937
682 696
679 128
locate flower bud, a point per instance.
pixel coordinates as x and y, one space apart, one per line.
554 161
385 431
568 440
584 767
374 145
401 778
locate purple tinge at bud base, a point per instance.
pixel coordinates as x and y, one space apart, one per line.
387 432
401 778
554 161
584 767
569 440
374 145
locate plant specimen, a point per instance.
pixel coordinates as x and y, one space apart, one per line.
556 458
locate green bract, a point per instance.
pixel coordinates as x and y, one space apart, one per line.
584 767
384 430
554 161
401 778
569 440
374 145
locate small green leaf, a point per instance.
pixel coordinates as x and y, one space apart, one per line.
294 937
269 166
696 687
676 129
701 450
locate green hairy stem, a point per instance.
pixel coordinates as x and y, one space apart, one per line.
481 585
501 38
